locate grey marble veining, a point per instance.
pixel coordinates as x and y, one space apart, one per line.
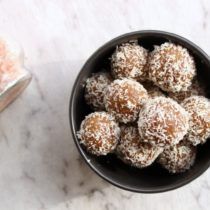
40 168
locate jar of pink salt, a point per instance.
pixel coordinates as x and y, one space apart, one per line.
14 78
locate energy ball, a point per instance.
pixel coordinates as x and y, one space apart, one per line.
133 151
171 67
124 98
99 133
194 90
94 90
129 60
162 121
199 109
178 158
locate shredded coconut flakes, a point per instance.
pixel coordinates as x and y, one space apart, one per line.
133 151
162 121
124 98
178 158
199 109
95 89
171 67
99 133
129 60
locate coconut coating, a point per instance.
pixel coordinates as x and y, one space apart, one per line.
99 133
194 90
95 88
124 98
128 61
162 121
199 109
171 67
133 151
178 158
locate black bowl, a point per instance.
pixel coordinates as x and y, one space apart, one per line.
152 179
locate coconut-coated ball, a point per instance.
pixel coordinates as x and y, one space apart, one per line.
178 158
99 133
133 151
124 98
162 121
171 67
199 109
95 88
128 61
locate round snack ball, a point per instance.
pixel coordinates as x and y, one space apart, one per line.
133 151
129 60
178 158
99 133
171 67
162 121
199 109
94 89
124 98
194 90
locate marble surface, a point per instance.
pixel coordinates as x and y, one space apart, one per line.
40 168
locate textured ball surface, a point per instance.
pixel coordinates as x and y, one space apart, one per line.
171 67
199 109
194 90
133 151
162 121
124 98
128 61
99 133
95 88
178 158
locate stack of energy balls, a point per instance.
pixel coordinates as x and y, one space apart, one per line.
150 108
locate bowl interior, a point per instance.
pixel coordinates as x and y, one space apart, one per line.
154 178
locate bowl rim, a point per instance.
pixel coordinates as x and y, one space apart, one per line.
72 124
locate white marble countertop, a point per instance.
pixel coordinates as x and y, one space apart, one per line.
40 168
